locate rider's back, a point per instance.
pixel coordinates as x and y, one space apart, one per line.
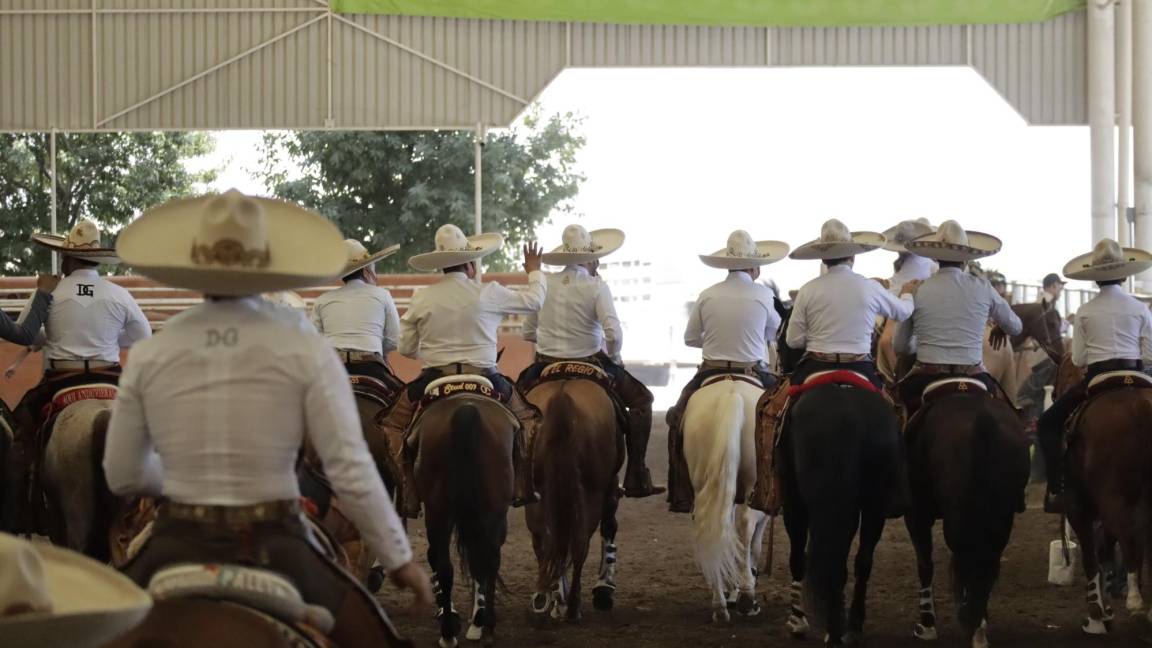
91 318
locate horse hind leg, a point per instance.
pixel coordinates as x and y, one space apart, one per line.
604 593
1082 521
871 528
443 579
796 524
920 531
749 523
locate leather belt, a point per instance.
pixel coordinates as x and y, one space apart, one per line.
950 369
354 355
1116 365
229 516
540 357
84 365
839 358
457 368
727 364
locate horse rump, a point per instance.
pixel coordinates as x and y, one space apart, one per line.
479 532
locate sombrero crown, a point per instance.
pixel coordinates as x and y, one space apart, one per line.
837 242
578 245
83 241
742 252
453 248
1108 262
952 243
899 235
358 256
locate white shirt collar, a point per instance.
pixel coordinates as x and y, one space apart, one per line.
739 277
84 272
356 283
457 276
952 270
1111 288
578 269
840 268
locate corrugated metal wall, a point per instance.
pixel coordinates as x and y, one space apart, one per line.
208 64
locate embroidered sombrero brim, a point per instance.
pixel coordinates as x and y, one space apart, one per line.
363 263
305 249
92 605
766 252
604 242
896 237
105 256
861 242
1134 262
479 246
980 245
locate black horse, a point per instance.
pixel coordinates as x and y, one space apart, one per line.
839 470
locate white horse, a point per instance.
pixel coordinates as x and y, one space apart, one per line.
720 448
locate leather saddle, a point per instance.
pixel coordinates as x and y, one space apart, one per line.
952 385
839 377
373 389
1112 380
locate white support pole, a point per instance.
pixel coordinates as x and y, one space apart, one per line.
52 166
1102 116
1142 127
1124 99
478 175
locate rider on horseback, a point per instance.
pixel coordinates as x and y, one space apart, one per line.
578 322
946 330
908 266
733 322
90 319
1113 333
360 318
211 415
451 326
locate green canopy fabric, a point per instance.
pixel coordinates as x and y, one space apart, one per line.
823 13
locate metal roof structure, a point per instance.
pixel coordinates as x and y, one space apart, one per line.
94 65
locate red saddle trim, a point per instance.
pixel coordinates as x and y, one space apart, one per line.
68 396
843 377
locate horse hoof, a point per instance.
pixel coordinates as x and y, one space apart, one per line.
475 633
926 633
798 626
980 637
374 580
853 638
446 643
488 638
721 616
1095 627
541 603
603 597
747 606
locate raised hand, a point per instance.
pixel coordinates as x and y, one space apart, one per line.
532 254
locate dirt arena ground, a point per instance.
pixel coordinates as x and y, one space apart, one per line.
662 601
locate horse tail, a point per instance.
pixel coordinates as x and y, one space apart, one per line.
716 542
466 491
564 501
978 529
105 503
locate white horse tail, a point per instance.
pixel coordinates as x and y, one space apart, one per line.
714 467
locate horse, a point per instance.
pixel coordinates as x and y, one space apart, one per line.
720 449
578 453
463 475
1109 483
968 465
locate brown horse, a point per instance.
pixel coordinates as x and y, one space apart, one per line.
194 622
463 475
1109 481
578 453
968 465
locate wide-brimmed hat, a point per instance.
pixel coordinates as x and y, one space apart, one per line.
358 256
233 244
83 241
952 243
743 252
52 597
1108 262
898 235
581 246
453 248
837 242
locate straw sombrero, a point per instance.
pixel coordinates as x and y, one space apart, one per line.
837 242
906 231
581 246
1108 262
951 243
82 242
358 256
742 252
52 597
233 244
453 248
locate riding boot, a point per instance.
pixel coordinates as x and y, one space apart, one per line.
396 426
638 479
524 484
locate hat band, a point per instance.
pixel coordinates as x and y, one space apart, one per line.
71 245
581 250
228 253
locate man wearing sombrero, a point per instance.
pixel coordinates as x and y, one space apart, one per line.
211 414
579 322
732 322
908 266
451 326
89 321
1113 332
946 330
359 319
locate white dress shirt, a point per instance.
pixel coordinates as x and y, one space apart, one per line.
92 319
836 313
215 408
578 318
947 325
1112 326
359 317
456 319
914 268
733 320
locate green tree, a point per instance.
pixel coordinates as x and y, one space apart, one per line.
106 177
385 188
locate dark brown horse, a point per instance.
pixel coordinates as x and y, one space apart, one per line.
578 453
1041 322
1109 481
463 475
968 465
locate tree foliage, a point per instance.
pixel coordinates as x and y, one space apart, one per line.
106 177
384 188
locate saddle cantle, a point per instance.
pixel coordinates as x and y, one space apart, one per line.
573 369
742 377
841 377
1110 380
260 589
459 384
952 385
77 393
373 389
